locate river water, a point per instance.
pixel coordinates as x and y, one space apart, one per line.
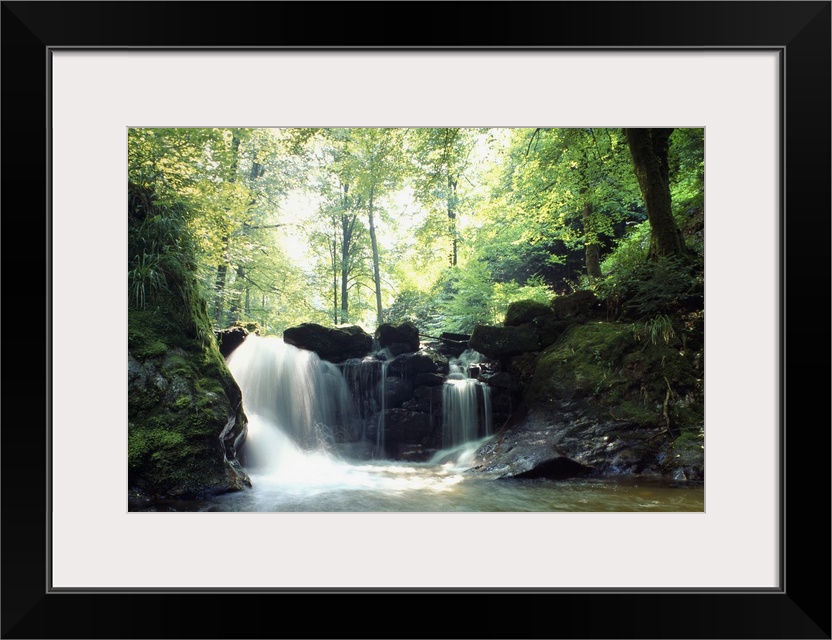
402 487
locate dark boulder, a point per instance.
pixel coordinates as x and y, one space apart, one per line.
502 342
402 338
396 391
581 305
409 365
428 380
426 400
330 343
229 339
453 345
524 311
403 429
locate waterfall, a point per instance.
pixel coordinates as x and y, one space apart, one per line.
466 403
363 376
299 406
295 402
379 450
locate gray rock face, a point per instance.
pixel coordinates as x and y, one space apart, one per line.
562 443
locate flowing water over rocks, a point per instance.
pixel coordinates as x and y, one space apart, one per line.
316 442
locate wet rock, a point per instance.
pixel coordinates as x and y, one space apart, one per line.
426 400
605 401
428 379
396 391
403 428
409 365
453 345
229 339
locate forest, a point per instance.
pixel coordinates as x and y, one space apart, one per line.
523 303
440 227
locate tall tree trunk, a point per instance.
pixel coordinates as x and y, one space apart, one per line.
593 251
236 301
347 223
376 270
333 254
649 148
345 271
222 269
591 248
452 217
219 284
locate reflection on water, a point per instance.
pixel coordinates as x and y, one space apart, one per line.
401 487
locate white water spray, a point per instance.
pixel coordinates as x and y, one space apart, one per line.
466 403
298 404
295 402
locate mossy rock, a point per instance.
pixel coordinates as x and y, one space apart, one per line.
525 311
625 378
184 418
580 305
503 342
185 414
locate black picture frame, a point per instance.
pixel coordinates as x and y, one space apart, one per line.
800 608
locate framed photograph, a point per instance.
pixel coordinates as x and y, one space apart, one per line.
754 75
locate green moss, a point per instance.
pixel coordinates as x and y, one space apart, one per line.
524 311
143 442
690 437
181 392
182 402
626 379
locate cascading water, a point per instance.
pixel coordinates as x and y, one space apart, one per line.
380 426
302 409
295 402
297 405
363 376
466 403
366 379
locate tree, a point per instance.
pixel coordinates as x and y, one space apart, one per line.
440 158
231 182
376 162
566 193
649 150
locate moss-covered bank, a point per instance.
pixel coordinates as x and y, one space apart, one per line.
609 398
185 417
